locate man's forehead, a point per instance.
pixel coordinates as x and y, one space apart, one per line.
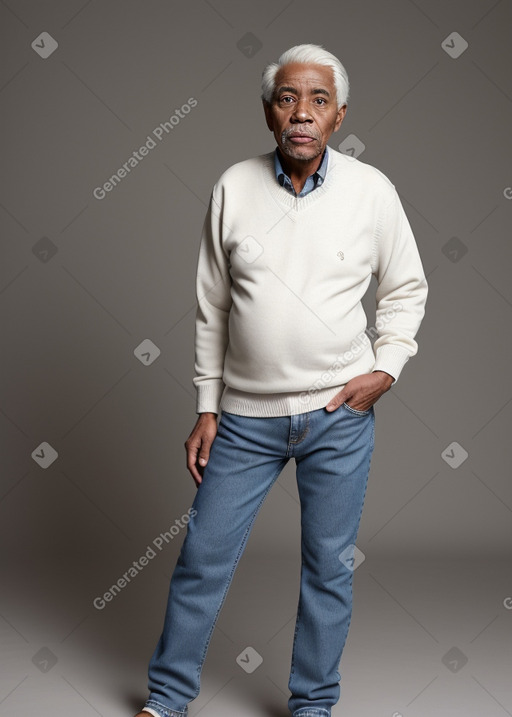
305 74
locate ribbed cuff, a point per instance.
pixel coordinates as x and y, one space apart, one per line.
208 396
391 359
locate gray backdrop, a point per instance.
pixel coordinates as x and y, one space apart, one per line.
97 301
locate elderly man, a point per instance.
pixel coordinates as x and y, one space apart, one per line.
290 242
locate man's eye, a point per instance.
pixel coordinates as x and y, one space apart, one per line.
321 99
283 99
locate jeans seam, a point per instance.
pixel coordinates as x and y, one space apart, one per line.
297 621
356 412
304 433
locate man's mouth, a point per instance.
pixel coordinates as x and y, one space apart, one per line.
301 138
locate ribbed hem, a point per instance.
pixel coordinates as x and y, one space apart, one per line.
243 403
215 396
391 358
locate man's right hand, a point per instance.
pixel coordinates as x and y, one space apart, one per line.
198 445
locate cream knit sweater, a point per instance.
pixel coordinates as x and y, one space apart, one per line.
280 327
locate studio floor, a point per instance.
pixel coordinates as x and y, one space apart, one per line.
427 638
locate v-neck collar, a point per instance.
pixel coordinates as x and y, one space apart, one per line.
294 204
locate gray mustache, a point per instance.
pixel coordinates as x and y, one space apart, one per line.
287 133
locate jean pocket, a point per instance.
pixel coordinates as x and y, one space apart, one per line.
355 411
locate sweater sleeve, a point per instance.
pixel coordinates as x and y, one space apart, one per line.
213 293
402 291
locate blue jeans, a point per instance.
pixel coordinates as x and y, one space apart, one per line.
332 452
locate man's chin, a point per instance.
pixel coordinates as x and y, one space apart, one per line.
305 154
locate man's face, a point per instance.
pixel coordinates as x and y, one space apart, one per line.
303 113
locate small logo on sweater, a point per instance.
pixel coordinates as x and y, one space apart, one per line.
341 255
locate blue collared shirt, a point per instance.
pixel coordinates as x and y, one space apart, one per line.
312 182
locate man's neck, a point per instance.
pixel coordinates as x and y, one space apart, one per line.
299 169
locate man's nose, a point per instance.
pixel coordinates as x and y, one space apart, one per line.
301 112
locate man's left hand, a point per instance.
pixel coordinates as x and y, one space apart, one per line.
361 392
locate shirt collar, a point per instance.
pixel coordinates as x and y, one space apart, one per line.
318 176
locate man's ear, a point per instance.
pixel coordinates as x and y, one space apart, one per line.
340 116
268 114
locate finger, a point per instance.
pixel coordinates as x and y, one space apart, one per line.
194 473
192 463
336 402
204 452
204 457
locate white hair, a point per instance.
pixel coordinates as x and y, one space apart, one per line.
306 54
